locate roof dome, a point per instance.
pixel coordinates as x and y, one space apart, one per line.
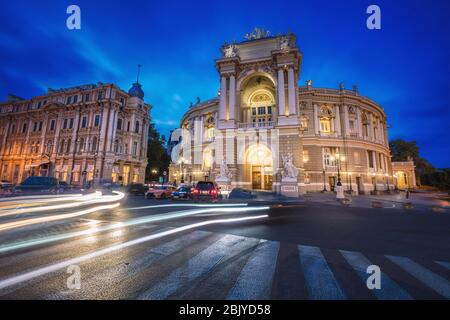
136 91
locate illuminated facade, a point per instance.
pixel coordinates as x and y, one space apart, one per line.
91 133
269 130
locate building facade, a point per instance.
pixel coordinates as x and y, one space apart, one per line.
404 174
263 124
92 133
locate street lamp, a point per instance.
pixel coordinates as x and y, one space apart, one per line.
350 177
181 162
339 189
324 183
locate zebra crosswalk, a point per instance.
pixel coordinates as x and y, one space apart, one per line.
206 265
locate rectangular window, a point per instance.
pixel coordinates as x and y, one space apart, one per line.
71 123
100 95
65 124
119 124
40 126
69 100
128 126
136 127
52 124
254 111
75 99
97 120
122 101
84 122
135 144
328 157
35 126
261 110
269 110
24 128
86 97
351 124
370 156
325 125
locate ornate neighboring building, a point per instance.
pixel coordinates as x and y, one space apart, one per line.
273 134
94 133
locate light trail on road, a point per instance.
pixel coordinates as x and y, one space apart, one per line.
27 222
81 201
74 261
132 222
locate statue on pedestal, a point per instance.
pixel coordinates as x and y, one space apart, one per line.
289 171
224 173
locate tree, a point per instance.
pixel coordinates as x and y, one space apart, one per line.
158 159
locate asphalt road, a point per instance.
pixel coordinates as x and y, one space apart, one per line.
150 249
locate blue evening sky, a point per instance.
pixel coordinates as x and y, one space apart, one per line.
405 67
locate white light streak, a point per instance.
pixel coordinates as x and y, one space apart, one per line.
64 264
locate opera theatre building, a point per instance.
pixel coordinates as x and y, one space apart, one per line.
87 134
265 132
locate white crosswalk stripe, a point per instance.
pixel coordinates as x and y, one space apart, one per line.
430 279
198 266
320 281
389 289
255 280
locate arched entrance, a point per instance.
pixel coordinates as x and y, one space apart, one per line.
259 160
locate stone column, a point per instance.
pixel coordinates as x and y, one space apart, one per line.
75 131
371 137
316 120
223 98
103 125
337 119
281 97
232 96
359 123
291 92
346 122
111 124
44 131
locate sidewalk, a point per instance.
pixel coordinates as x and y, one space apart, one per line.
437 202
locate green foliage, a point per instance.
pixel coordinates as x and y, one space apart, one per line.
158 159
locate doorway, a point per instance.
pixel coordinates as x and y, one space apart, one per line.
332 182
262 178
358 185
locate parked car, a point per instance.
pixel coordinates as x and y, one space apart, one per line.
239 193
182 193
5 184
37 185
137 189
161 192
206 190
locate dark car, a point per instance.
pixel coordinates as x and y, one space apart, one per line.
137 189
182 193
206 190
37 185
239 193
